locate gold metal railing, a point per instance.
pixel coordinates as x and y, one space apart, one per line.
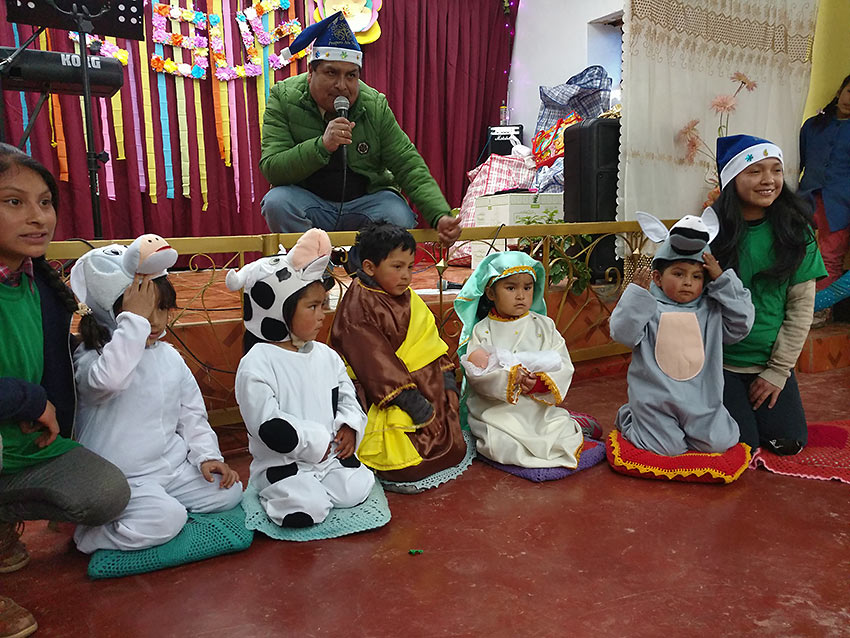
214 255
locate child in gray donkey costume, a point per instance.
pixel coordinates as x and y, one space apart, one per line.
677 327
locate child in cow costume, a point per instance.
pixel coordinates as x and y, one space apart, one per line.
139 405
299 405
677 327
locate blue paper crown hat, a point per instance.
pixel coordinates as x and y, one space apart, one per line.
332 41
736 152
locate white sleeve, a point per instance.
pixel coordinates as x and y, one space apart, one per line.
494 382
558 381
348 410
102 376
192 423
291 436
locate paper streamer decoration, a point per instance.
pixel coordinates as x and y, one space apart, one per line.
202 151
109 172
118 111
137 125
24 111
231 101
150 145
167 155
57 130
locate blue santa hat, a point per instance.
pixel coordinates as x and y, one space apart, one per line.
736 152
332 41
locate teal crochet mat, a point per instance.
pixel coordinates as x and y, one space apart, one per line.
438 478
203 536
371 513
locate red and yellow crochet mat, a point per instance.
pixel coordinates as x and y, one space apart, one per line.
691 467
825 457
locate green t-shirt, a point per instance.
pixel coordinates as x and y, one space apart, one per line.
22 357
755 255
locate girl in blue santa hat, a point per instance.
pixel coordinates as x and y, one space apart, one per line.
767 236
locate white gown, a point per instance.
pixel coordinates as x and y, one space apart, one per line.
141 409
528 430
293 403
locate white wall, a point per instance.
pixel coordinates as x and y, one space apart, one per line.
551 45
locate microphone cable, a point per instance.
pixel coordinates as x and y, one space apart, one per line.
341 106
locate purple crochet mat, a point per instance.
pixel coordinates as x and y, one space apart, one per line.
591 453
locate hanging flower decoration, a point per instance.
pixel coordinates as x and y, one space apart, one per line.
689 135
107 49
361 15
198 44
251 31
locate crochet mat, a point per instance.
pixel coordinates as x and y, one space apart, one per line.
438 478
203 536
592 452
370 514
690 467
825 457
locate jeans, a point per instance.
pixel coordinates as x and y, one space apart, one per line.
785 420
292 209
78 487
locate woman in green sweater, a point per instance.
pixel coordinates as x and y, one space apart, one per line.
44 474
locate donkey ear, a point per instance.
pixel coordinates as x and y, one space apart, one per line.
712 223
652 227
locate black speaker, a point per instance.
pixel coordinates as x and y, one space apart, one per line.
591 161
499 139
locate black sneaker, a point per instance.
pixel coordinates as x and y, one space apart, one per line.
784 447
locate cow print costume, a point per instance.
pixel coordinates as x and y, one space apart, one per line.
293 403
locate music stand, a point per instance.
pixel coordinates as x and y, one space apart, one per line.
120 18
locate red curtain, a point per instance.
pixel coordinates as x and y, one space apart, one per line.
442 64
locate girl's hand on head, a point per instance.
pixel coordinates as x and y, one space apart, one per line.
229 476
140 296
345 439
47 422
642 277
712 266
761 391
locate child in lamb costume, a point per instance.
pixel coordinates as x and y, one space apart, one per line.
139 405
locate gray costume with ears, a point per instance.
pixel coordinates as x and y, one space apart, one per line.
676 373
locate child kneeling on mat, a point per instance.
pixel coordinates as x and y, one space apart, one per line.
139 405
677 326
299 406
518 368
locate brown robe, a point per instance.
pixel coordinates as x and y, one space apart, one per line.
368 328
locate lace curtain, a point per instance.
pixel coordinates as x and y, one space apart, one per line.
677 57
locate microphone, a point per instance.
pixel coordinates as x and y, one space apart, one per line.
341 106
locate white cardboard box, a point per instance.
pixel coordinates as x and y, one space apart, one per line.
494 210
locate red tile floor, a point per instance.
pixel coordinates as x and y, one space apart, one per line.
595 554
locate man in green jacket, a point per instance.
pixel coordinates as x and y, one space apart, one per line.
334 172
